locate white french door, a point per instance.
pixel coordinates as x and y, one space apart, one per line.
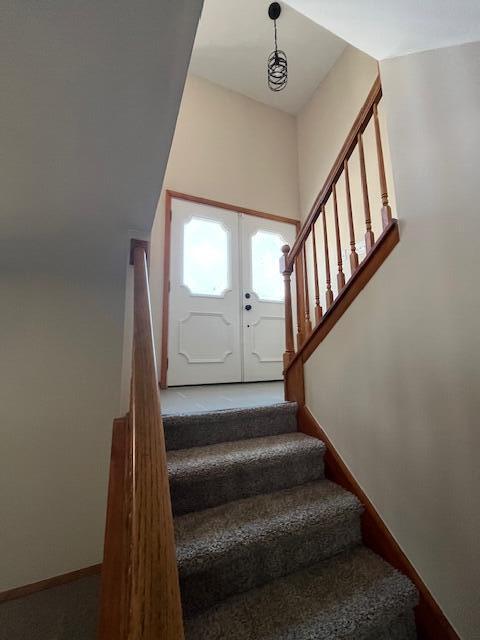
263 312
226 317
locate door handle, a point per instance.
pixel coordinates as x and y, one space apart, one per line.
248 307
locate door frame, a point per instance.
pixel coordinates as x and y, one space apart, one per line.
176 195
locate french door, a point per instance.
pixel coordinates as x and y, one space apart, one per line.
226 312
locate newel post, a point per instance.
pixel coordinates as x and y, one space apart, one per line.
138 244
286 271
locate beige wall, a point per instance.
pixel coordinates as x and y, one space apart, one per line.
396 383
90 95
61 328
324 122
229 148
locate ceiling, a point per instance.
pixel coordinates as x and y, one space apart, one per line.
393 28
235 38
90 96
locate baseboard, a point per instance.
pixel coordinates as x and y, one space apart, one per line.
431 621
56 581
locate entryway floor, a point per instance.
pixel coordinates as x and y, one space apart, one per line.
220 396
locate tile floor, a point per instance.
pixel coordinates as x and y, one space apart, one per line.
220 396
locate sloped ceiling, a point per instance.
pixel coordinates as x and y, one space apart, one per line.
235 38
90 95
390 28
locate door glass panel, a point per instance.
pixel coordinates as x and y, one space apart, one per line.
205 257
267 281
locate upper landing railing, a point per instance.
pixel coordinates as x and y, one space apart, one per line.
311 259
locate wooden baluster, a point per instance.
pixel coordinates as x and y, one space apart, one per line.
329 292
308 323
386 209
318 308
286 271
353 250
369 237
300 299
340 274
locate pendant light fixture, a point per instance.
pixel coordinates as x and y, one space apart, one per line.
277 71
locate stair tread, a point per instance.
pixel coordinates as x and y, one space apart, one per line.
227 425
217 459
203 537
203 477
353 596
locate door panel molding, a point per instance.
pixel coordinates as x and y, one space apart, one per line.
181 335
169 196
256 349
263 325
206 295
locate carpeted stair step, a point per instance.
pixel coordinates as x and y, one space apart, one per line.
353 596
240 545
202 429
204 477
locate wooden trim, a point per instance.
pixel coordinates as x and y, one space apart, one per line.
49 583
366 270
169 196
300 297
431 621
232 207
359 126
134 243
289 345
155 607
114 596
167 244
294 383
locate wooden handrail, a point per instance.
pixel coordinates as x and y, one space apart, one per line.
147 593
303 258
346 151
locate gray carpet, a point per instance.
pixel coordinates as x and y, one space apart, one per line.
204 477
197 430
68 612
267 548
354 596
240 545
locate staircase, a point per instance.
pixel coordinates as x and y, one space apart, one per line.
267 548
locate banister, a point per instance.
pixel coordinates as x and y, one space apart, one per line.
156 610
303 258
152 606
346 151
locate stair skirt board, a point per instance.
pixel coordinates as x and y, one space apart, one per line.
267 548
431 622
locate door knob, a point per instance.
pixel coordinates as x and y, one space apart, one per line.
247 296
248 307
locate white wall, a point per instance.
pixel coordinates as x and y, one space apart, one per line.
395 384
90 93
228 148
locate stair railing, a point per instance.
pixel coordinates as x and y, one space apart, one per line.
140 595
305 257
